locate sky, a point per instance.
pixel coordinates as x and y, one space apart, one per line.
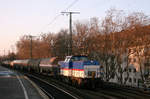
31 17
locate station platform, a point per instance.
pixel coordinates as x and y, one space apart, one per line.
14 85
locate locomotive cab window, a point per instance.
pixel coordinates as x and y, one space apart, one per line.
79 58
72 59
91 73
84 58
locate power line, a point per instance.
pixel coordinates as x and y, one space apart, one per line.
55 18
75 1
51 21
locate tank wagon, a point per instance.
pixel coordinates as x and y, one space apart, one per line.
45 65
6 63
49 65
19 64
33 65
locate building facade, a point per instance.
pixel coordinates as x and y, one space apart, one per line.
135 66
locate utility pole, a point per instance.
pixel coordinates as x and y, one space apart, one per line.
30 36
12 49
70 29
4 52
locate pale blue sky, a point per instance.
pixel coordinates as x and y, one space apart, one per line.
19 17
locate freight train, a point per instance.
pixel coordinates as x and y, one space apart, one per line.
75 70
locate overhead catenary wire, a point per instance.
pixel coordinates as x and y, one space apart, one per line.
50 23
56 17
75 1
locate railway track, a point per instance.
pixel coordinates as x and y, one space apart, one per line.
52 91
76 92
110 92
127 93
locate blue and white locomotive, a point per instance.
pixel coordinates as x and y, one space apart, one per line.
79 70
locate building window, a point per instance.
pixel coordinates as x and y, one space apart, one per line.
113 76
129 69
134 80
125 69
134 70
139 80
130 80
